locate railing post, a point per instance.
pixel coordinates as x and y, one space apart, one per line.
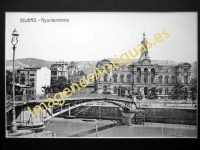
96 127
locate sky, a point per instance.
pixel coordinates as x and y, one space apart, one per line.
93 36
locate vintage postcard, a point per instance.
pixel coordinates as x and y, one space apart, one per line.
101 74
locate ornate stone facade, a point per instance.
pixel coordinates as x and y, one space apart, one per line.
142 74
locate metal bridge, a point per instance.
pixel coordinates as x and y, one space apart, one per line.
76 100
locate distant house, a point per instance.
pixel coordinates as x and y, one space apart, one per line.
34 77
68 71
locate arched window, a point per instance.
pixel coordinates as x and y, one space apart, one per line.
122 78
152 78
173 79
167 69
138 79
138 75
152 75
145 75
160 79
128 78
145 79
166 80
129 91
105 77
115 78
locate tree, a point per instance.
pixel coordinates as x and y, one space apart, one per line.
72 64
62 82
193 88
185 94
152 93
46 89
121 91
177 91
9 76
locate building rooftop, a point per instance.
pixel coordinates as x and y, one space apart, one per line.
29 68
60 63
158 62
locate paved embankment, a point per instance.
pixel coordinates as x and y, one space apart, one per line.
154 130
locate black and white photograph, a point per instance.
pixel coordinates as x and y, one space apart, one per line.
101 74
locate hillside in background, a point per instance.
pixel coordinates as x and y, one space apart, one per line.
27 62
86 66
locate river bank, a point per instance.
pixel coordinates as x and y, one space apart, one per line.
76 127
149 130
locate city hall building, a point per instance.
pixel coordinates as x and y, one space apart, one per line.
143 74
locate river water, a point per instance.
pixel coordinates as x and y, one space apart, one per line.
67 127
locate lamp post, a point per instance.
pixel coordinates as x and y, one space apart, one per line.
14 43
96 128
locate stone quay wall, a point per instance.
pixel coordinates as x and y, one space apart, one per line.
170 115
160 115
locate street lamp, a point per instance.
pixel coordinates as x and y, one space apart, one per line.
14 42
